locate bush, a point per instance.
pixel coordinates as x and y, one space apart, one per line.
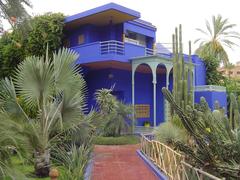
122 140
15 46
114 114
46 29
168 133
72 161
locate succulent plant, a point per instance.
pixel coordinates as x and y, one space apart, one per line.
182 72
217 138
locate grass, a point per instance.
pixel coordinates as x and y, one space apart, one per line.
24 168
121 140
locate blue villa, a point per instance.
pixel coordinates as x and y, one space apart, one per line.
117 48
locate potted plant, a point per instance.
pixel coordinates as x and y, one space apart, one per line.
146 123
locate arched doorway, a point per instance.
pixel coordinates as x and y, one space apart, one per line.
161 74
143 93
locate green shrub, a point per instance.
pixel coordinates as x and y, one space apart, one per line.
177 121
72 161
113 113
168 133
122 140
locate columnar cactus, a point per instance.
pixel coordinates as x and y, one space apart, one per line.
234 112
182 72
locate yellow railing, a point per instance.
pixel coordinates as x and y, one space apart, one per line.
170 162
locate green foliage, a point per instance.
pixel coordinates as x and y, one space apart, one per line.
74 160
217 142
15 47
114 114
11 53
55 87
11 139
121 140
232 86
169 133
46 30
213 76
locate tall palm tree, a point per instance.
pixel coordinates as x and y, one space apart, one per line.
55 88
219 35
13 10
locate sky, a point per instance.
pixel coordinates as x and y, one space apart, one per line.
165 15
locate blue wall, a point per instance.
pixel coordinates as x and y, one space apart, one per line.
98 79
200 71
211 97
92 53
95 33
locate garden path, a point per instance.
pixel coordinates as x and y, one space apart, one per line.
119 162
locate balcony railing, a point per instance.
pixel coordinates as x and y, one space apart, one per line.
110 50
149 52
112 47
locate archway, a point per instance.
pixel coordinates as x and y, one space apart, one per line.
161 74
143 95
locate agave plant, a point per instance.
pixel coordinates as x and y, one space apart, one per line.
74 160
56 89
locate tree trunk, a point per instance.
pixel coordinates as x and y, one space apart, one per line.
42 163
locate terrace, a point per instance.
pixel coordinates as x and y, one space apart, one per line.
111 50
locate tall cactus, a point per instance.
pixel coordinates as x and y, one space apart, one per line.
182 72
234 112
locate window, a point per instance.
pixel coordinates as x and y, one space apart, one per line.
81 39
135 38
230 72
142 110
238 72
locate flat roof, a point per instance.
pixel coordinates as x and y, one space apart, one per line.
102 15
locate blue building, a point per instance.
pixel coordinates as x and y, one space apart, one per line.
117 48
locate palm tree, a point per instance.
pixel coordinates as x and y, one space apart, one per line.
13 10
11 139
115 114
53 87
218 36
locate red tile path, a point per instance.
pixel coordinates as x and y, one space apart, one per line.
119 163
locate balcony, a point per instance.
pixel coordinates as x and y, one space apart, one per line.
110 50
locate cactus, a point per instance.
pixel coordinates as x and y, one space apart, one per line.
182 72
233 112
216 145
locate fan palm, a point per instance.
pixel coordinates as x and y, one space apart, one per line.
219 35
56 89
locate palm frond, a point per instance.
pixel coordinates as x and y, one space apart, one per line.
34 81
220 37
202 31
